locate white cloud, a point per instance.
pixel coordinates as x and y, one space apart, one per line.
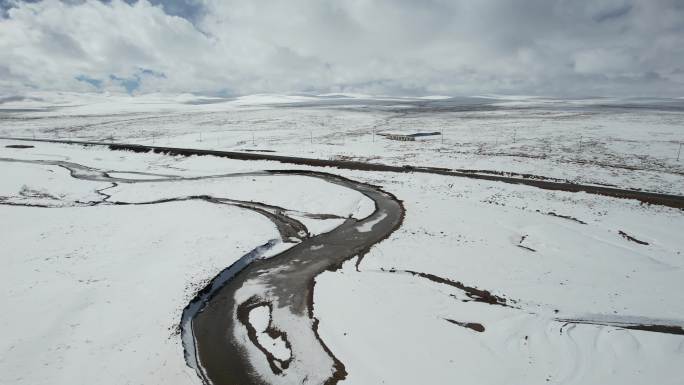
370 46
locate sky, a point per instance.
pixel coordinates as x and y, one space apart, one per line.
378 47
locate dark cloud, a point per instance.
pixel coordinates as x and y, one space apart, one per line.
614 13
5 5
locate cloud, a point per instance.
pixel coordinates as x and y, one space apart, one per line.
613 13
559 47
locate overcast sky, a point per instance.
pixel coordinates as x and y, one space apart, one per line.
400 47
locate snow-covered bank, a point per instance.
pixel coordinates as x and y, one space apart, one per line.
95 294
54 187
98 288
575 264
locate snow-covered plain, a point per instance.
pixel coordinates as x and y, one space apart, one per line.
627 142
470 232
94 295
100 289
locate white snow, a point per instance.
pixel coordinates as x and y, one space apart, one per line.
297 193
44 185
590 140
136 176
318 226
368 226
371 325
468 231
311 364
94 294
101 289
96 290
259 318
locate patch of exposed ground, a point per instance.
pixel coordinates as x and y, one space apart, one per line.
631 238
478 327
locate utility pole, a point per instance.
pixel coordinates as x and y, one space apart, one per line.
580 143
679 151
311 136
515 133
253 141
441 135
